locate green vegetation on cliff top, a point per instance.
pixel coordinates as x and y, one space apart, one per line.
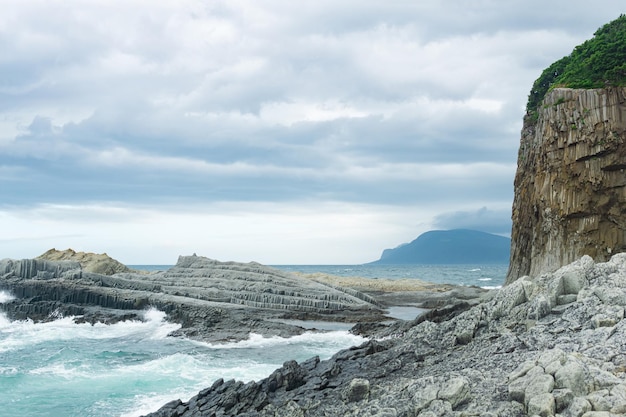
597 63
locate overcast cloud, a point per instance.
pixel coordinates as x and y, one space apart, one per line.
275 131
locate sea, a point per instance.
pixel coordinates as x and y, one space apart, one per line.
128 369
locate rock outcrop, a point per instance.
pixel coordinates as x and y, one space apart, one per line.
212 300
99 263
549 346
570 186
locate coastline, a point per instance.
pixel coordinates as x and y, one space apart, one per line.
550 345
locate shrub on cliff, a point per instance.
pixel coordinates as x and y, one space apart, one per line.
598 62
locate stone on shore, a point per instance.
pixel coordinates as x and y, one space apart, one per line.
556 364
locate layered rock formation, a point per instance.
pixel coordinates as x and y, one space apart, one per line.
212 300
570 186
549 346
100 263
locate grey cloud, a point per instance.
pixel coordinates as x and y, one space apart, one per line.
484 219
189 86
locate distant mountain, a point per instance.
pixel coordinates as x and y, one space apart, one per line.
458 246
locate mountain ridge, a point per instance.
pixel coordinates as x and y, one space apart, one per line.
455 246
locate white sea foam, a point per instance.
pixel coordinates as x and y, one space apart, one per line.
17 334
128 370
145 404
492 287
154 315
256 341
5 297
4 322
485 279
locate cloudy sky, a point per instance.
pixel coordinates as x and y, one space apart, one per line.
284 132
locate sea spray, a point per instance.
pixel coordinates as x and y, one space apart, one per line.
5 297
130 368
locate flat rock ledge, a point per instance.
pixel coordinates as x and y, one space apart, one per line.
552 345
212 300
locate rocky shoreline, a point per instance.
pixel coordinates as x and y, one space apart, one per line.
213 301
552 345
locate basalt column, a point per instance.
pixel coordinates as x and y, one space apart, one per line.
570 186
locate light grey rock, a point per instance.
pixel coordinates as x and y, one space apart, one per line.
438 408
562 399
521 370
466 325
542 405
619 392
609 316
578 407
539 307
597 414
598 400
538 385
509 297
455 391
602 379
517 389
551 360
425 391
572 376
573 281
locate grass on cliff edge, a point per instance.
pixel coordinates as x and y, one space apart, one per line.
597 63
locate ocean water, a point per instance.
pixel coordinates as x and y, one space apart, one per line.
128 369
486 276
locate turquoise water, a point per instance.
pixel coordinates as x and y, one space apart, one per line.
64 369
128 369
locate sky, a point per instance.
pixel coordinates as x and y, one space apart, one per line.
281 132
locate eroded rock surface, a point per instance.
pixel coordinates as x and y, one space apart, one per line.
212 300
100 263
570 186
554 345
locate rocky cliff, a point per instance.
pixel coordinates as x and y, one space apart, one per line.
570 186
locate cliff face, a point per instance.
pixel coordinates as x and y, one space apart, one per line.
570 186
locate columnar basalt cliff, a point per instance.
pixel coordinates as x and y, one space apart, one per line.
570 186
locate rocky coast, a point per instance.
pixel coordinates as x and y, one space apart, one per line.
548 345
552 345
213 301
